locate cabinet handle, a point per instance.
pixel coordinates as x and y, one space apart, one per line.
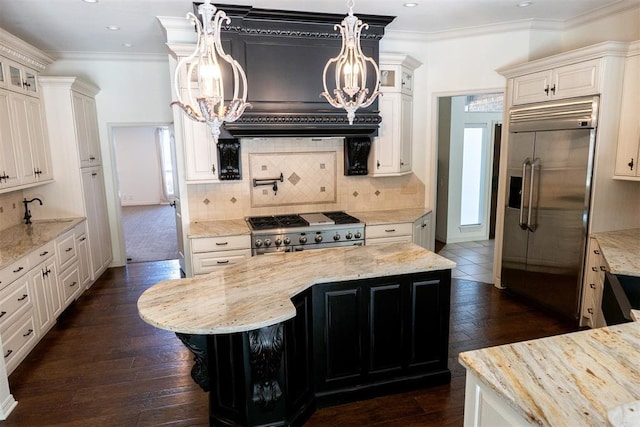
630 164
222 243
594 268
68 249
44 253
390 231
553 89
8 353
213 169
378 164
23 297
590 310
73 284
18 270
94 174
29 332
401 163
597 252
2 313
82 239
91 158
546 90
603 268
592 285
223 262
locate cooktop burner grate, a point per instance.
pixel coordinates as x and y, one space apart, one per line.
340 217
276 221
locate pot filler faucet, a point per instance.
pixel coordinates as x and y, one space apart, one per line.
27 212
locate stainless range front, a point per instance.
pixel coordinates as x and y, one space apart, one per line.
297 232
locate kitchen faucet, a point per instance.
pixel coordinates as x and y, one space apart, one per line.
27 212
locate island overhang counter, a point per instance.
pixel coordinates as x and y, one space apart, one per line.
276 333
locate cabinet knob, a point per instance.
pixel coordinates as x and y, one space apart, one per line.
592 285
630 164
213 169
590 310
597 252
378 164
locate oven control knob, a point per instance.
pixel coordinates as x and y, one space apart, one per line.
303 239
286 240
258 243
278 242
358 235
267 242
318 238
348 235
336 237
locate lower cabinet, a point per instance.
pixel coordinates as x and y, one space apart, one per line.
591 311
422 232
388 233
374 333
211 253
44 286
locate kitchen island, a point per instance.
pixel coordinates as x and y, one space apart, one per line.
274 334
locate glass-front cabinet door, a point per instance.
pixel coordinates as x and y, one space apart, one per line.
22 79
3 78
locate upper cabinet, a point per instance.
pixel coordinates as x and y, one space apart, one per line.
24 143
562 82
627 156
86 120
391 149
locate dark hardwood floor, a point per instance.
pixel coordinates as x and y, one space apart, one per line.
102 365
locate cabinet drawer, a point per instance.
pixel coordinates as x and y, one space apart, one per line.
222 243
70 284
204 263
18 340
388 230
13 300
386 240
66 250
13 271
42 253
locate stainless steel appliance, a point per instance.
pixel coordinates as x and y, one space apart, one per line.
550 162
297 232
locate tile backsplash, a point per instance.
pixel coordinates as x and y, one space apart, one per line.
11 210
313 181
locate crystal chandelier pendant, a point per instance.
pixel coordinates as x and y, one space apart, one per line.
203 99
350 70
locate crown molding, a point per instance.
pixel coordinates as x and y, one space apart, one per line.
22 52
613 9
112 56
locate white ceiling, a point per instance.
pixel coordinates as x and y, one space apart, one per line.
58 26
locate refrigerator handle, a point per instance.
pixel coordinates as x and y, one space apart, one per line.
532 225
527 162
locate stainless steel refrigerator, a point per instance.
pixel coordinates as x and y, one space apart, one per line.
551 149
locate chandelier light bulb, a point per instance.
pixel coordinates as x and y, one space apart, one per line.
205 101
350 70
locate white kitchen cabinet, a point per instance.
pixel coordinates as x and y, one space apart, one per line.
628 152
211 253
201 154
18 340
97 222
391 149
562 82
79 189
3 72
84 263
8 159
22 79
388 233
43 283
422 232
591 307
86 121
33 153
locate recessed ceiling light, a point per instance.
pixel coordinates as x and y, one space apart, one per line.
127 44
113 28
411 4
90 1
525 4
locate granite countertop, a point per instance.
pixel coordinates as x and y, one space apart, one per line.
230 227
257 292
621 250
390 216
566 380
20 240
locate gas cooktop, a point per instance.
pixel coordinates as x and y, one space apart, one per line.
300 220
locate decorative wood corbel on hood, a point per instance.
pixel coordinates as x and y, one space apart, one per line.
283 54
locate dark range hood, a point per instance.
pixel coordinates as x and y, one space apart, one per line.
283 54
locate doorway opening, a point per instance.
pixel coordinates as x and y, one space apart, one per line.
469 135
146 189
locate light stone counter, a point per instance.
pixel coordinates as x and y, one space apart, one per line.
256 292
566 380
20 240
228 227
621 250
390 216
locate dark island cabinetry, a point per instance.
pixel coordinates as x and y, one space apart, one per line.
371 336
